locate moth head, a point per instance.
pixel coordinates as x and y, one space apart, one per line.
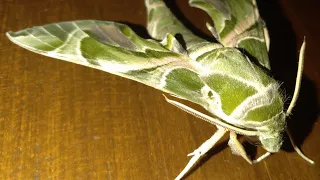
271 139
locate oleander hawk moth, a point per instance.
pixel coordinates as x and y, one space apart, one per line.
229 76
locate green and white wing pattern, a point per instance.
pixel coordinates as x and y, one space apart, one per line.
115 48
237 24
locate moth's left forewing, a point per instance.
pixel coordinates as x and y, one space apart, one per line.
115 48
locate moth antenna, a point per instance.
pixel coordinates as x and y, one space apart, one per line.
295 147
298 78
295 97
212 120
201 151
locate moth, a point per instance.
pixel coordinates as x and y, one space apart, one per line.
229 77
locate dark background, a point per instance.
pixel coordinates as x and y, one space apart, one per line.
59 120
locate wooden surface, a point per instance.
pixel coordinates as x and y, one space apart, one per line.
64 121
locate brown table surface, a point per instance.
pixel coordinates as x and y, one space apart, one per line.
60 120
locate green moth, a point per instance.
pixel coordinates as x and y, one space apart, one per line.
229 77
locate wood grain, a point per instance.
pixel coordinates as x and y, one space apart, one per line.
64 121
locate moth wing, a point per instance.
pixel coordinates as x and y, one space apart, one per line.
115 48
237 23
162 21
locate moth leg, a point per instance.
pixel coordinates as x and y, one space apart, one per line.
237 148
204 148
267 154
